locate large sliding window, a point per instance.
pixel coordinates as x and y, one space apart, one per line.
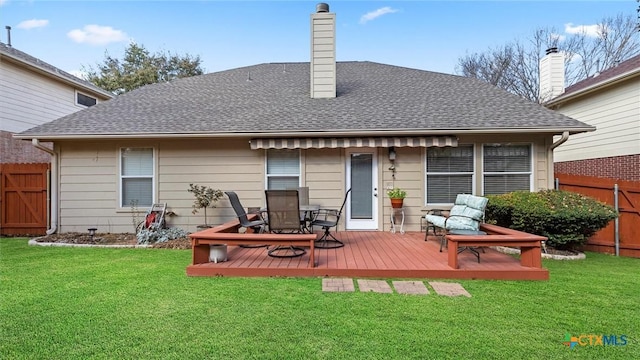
506 168
136 176
283 169
449 173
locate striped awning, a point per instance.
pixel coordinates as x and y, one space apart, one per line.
373 142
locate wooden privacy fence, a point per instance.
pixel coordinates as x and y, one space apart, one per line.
621 237
23 199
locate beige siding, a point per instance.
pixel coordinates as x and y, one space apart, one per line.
323 56
616 115
89 179
29 99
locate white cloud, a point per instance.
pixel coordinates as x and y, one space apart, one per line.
32 24
588 30
376 14
97 35
2 2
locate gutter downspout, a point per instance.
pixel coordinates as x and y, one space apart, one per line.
550 166
562 140
52 188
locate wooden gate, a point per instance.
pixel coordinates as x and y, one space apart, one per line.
23 199
628 208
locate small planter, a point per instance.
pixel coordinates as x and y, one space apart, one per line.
397 203
217 253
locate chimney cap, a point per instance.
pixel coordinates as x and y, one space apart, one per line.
322 7
551 50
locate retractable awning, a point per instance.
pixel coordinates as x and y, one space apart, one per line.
373 142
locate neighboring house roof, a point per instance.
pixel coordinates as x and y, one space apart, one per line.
17 56
625 70
273 100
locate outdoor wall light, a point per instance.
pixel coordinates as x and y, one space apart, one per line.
392 154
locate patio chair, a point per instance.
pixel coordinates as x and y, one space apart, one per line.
466 214
283 217
328 219
257 226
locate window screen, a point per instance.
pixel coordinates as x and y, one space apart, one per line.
283 169
449 173
506 168
136 175
85 100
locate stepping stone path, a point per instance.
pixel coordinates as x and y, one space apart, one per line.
379 286
401 287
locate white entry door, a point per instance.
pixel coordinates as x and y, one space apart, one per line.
362 178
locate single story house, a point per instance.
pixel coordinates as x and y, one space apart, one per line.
326 125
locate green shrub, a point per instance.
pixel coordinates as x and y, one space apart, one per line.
567 219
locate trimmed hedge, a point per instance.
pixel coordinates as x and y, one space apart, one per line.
567 219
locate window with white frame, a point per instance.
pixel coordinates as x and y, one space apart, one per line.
449 173
85 100
506 168
283 169
136 176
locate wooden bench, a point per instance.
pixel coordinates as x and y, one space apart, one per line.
529 244
227 233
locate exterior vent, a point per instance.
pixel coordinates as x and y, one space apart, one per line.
323 53
322 8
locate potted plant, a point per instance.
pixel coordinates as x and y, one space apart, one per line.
205 197
397 196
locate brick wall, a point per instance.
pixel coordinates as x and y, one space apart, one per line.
13 151
616 167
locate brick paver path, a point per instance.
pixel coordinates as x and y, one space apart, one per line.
449 289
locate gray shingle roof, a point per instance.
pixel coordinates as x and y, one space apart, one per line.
54 71
274 98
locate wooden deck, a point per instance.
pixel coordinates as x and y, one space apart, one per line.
374 254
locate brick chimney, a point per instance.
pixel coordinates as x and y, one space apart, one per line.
551 75
323 53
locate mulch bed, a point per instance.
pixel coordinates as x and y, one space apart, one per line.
110 239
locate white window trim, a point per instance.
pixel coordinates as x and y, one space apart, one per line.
266 170
426 177
154 177
75 98
530 172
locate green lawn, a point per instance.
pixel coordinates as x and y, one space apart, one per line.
83 303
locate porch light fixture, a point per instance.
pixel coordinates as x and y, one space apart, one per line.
392 154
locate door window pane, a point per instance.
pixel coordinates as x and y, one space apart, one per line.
361 185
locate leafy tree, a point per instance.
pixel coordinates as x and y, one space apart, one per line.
514 66
139 68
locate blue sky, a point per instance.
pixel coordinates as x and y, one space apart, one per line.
428 35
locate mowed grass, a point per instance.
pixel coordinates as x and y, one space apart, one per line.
87 303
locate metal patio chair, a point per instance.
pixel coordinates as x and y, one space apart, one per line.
283 217
257 226
328 219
